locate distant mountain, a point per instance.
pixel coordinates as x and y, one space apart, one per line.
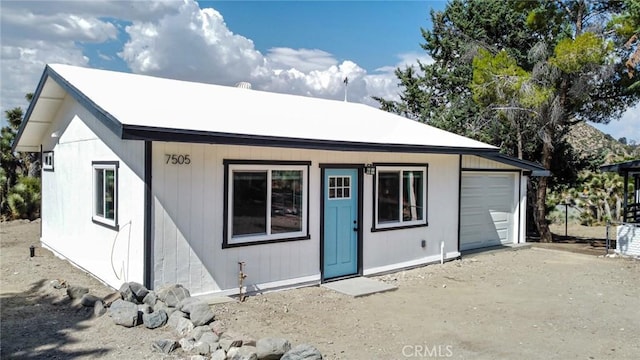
589 142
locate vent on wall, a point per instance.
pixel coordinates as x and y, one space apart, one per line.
47 160
243 85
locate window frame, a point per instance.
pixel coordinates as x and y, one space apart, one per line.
400 224
101 219
47 155
342 187
231 166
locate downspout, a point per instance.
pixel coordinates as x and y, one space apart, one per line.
41 173
459 196
520 210
148 231
625 202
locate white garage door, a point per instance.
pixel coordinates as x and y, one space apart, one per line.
487 209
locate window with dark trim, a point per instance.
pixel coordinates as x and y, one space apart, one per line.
105 193
265 202
339 187
400 197
47 160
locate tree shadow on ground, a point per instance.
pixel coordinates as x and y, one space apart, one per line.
41 322
593 242
584 245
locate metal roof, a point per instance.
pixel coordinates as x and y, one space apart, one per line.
141 107
627 166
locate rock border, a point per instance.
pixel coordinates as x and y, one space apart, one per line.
190 319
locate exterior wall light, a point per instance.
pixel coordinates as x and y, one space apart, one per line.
369 169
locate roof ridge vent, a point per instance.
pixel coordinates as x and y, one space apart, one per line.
243 85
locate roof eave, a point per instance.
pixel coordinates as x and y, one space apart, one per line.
533 168
620 168
134 132
32 104
103 116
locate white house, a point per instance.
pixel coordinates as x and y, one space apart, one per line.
164 181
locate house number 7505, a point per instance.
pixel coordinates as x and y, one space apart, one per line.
178 159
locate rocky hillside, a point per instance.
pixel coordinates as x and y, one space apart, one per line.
590 142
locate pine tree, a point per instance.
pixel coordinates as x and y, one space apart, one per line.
519 74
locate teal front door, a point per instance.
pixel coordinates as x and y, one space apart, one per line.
341 228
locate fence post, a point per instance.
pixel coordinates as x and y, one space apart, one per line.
607 235
566 219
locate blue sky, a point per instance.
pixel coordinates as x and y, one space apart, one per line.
300 47
371 33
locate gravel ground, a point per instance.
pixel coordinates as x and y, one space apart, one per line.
532 303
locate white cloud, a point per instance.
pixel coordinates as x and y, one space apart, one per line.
37 33
405 60
196 44
178 39
385 84
23 65
142 10
175 39
104 56
304 60
192 44
54 27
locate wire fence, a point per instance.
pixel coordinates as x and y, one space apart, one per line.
571 230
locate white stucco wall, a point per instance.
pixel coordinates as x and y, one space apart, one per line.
67 197
188 220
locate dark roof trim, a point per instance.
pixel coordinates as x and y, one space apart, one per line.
107 119
623 167
134 132
536 169
103 116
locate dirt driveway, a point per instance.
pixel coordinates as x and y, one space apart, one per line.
526 304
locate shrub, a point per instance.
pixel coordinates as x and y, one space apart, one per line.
24 198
